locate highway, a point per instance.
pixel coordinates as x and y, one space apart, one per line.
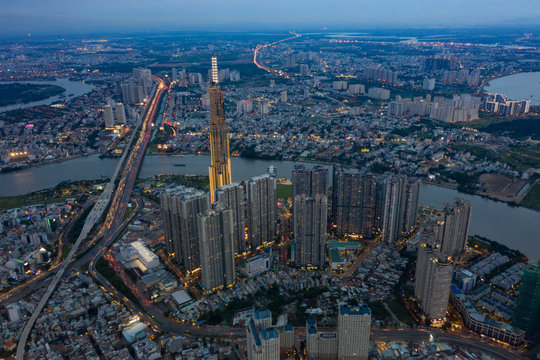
266 68
115 214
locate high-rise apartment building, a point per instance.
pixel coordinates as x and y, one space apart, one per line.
180 207
232 196
108 116
456 219
397 198
433 278
216 247
354 325
320 345
262 344
220 167
354 202
310 211
527 311
120 113
261 209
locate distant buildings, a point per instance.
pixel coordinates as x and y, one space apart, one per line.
283 96
527 312
499 103
120 113
232 196
380 75
433 278
428 84
108 116
355 89
310 208
216 246
462 76
135 89
458 109
261 209
378 93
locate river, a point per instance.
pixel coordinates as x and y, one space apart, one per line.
73 89
515 227
522 86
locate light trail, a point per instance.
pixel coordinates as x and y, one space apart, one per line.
266 68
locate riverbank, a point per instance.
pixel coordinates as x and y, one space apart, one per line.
47 162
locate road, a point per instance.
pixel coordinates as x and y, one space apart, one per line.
115 214
266 68
421 335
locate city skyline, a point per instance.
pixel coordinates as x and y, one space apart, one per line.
61 17
383 203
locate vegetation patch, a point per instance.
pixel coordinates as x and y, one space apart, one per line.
24 93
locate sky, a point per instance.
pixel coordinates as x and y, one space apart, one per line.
63 17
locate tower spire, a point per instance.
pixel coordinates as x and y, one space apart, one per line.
220 166
215 77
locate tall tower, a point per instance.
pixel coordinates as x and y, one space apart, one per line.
216 246
232 196
220 167
457 217
261 210
179 209
310 207
433 279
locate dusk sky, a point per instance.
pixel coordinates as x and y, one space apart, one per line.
68 16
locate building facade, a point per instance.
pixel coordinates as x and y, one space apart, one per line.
220 167
180 208
232 196
261 210
216 248
433 278
310 212
354 325
354 202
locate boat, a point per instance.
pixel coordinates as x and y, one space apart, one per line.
179 165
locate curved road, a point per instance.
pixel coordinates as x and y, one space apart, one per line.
114 217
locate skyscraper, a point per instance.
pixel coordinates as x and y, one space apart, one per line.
261 209
232 196
216 247
180 208
457 217
527 312
120 113
108 116
433 278
353 202
354 325
220 167
397 198
310 211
